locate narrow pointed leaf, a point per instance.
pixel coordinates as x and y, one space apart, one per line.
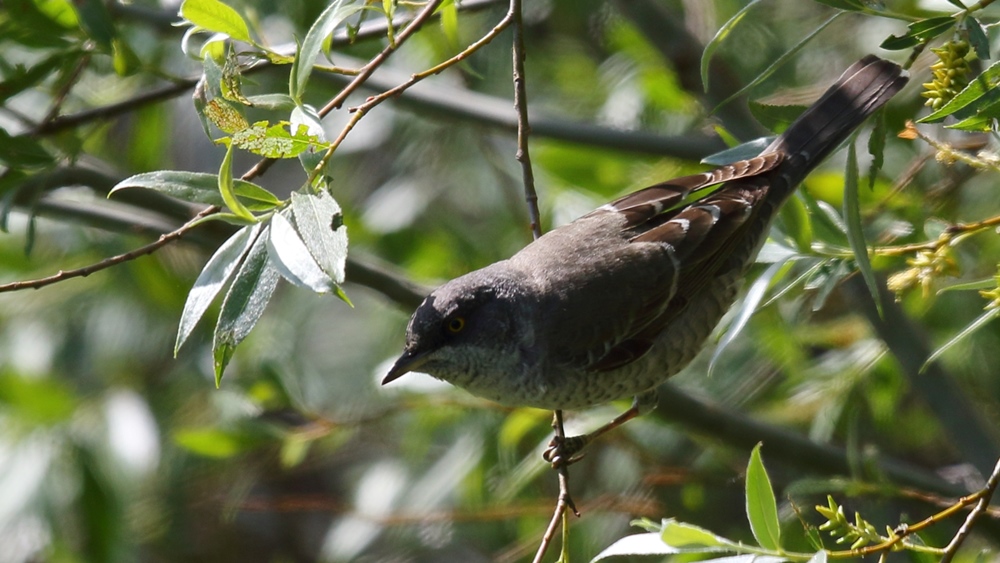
762 510
755 295
918 32
199 187
855 231
212 278
324 25
975 325
216 16
292 258
720 36
977 38
688 538
321 224
637 544
248 295
226 187
740 152
779 62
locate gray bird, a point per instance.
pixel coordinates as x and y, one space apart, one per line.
612 304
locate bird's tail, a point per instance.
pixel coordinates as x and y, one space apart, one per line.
862 89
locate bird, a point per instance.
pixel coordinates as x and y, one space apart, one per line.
612 304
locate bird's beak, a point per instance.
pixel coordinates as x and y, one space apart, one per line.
406 363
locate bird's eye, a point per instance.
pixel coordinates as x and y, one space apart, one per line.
456 325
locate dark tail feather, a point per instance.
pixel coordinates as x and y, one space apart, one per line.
862 89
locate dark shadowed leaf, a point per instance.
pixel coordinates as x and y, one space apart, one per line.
977 38
876 146
212 278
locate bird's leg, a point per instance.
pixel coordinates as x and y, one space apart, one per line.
562 451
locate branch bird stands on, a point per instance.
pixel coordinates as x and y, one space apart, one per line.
614 303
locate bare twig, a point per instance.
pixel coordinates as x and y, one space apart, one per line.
523 127
150 248
565 501
981 506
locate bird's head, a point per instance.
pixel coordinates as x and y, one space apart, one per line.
463 327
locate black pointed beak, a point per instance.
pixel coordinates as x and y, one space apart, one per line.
406 363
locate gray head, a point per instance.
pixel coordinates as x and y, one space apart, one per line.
464 326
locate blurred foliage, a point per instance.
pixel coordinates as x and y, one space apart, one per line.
113 450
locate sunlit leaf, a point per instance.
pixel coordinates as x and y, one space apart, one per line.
225 116
688 538
212 278
762 509
637 544
324 25
244 304
293 259
720 36
988 283
275 141
855 230
321 224
227 188
41 401
199 187
216 16
210 442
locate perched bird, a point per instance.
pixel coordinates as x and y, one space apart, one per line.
612 304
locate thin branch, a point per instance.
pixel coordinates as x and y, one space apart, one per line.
565 501
981 506
523 127
150 248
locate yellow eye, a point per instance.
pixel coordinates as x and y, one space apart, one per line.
456 325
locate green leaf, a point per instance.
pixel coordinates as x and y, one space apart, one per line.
855 231
981 92
272 101
226 188
210 442
22 151
291 257
324 25
977 38
762 510
448 12
321 224
199 187
244 304
919 32
797 223
980 322
988 283
275 141
637 544
720 36
216 16
20 78
779 62
97 23
688 538
983 122
212 278
42 401
848 5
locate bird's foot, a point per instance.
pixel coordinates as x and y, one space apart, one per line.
563 450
